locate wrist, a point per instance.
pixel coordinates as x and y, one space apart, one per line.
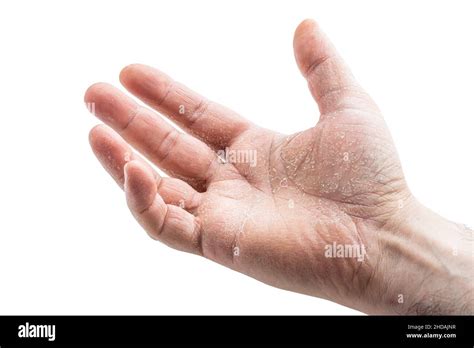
425 265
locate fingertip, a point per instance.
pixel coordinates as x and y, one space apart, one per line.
98 141
134 72
308 25
311 45
102 140
96 90
140 186
127 71
145 82
109 104
134 173
96 134
99 99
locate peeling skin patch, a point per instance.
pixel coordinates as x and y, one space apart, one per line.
341 161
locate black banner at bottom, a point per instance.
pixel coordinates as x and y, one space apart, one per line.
191 330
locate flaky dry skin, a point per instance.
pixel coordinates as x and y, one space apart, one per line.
273 216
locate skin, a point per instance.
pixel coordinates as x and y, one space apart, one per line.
338 182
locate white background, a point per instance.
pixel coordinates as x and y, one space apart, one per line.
68 244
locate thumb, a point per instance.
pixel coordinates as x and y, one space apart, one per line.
329 79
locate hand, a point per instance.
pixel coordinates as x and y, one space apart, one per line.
325 211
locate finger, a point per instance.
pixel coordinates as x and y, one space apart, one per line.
111 151
176 153
167 223
330 81
213 123
114 153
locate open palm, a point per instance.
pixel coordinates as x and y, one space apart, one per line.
259 202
